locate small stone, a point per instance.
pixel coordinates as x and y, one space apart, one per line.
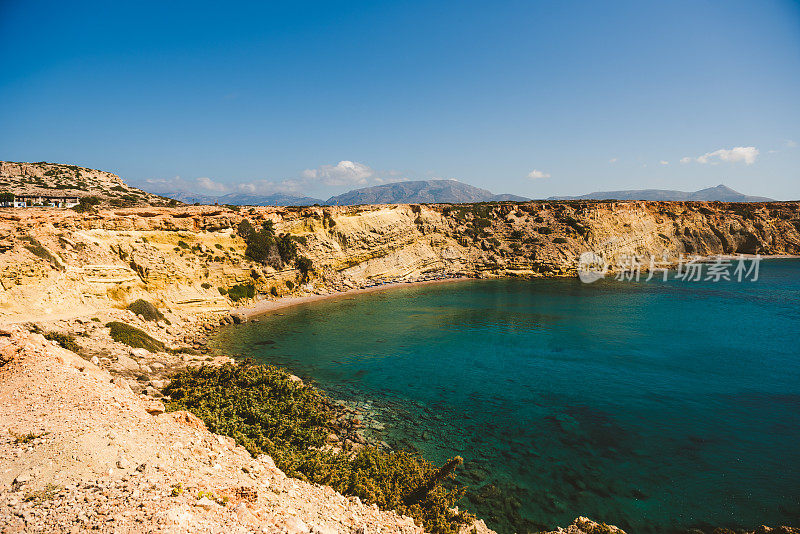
295 525
95 360
140 353
238 318
123 463
206 504
23 478
155 407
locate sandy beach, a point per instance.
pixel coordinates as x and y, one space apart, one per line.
268 306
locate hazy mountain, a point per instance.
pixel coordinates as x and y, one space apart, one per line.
721 193
422 191
242 199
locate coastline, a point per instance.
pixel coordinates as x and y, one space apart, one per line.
266 306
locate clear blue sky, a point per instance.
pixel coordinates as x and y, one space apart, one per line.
581 96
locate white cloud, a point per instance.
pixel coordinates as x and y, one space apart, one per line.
267 187
790 144
745 154
176 183
211 185
207 186
613 160
536 174
343 173
664 162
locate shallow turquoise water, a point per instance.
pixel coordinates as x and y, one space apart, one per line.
653 406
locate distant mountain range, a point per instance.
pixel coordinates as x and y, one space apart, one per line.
452 192
421 191
721 193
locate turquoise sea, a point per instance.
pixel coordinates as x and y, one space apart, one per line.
657 407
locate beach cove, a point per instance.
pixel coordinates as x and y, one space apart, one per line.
602 413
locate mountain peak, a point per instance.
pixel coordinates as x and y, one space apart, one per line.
721 193
419 191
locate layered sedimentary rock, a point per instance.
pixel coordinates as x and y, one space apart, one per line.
56 262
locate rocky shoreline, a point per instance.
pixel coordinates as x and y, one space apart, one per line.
143 375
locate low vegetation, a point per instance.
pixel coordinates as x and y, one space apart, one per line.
267 412
134 337
266 247
66 341
241 291
48 493
37 249
87 204
24 439
146 309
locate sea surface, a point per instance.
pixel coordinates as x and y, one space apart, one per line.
653 406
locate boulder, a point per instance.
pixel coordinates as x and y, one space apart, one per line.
140 353
127 363
155 407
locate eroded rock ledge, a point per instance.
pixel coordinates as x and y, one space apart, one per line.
58 263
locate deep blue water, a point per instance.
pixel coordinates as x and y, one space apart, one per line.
653 406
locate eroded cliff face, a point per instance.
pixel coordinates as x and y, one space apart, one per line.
59 263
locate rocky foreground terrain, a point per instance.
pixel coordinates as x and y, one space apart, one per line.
84 442
80 451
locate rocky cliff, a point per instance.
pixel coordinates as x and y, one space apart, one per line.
55 179
57 262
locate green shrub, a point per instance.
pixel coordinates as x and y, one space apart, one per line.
67 341
304 265
183 244
146 309
86 204
273 291
133 337
559 240
290 285
241 291
205 285
287 247
544 230
267 412
481 223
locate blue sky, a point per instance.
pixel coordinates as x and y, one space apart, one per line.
532 98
